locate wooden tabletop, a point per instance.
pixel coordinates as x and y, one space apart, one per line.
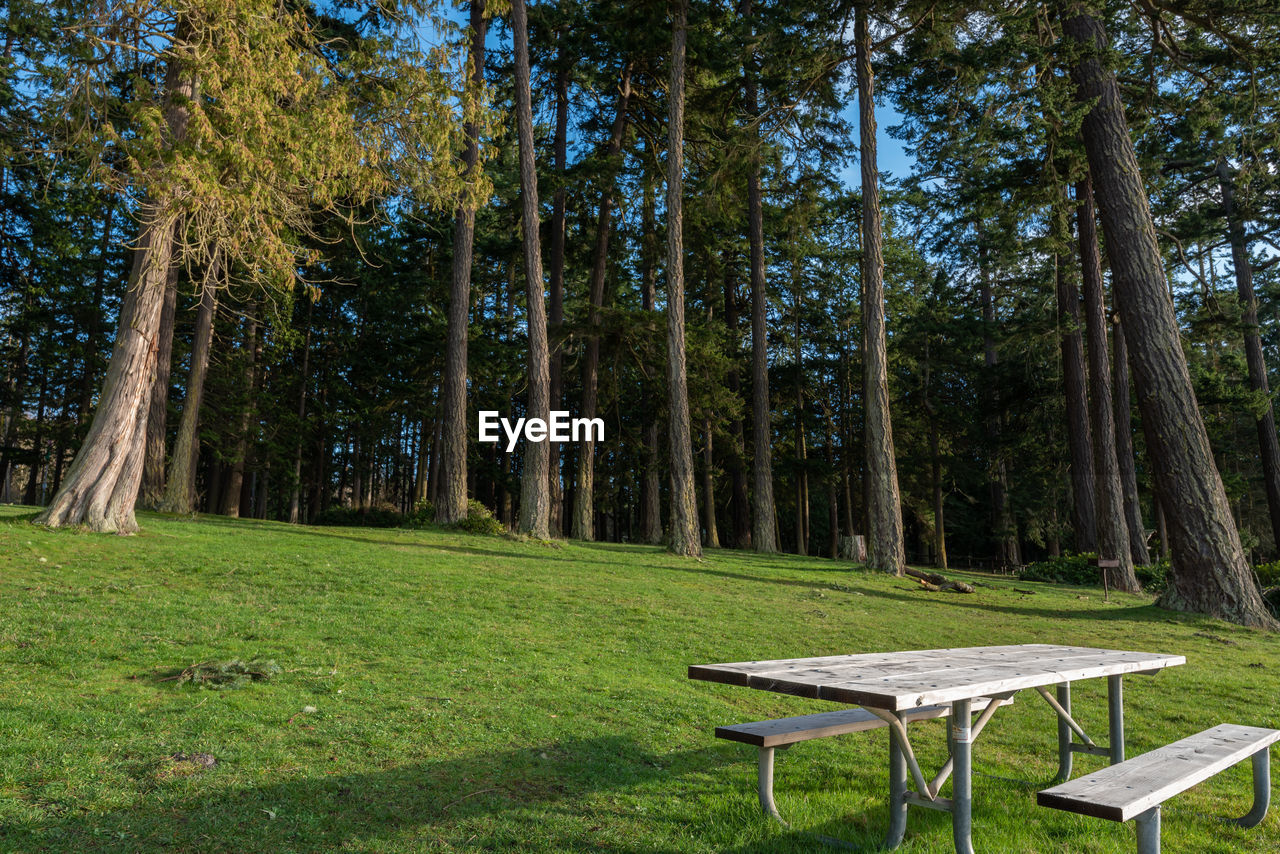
897 681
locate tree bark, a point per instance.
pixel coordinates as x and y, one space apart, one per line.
232 493
32 493
180 488
764 535
1113 531
452 504
802 461
584 496
560 153
1264 417
1003 524
295 494
101 487
1209 573
535 491
739 503
709 486
650 484
935 468
830 477
684 503
1123 421
153 466
885 548
1084 510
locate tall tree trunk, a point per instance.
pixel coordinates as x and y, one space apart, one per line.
295 494
101 486
15 388
152 491
1113 530
560 152
1209 572
32 493
684 503
802 462
452 504
232 493
764 535
93 322
650 484
885 549
830 479
1123 421
935 467
535 491
1084 510
709 485
1264 418
180 487
584 496
1002 522
739 506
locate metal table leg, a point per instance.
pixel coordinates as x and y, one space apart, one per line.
1115 717
962 779
1064 735
897 795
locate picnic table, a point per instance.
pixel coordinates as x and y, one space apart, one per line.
890 684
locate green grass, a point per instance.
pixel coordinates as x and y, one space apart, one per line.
476 693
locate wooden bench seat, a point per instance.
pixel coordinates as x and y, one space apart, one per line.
1134 789
781 733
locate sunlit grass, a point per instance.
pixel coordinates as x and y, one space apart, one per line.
442 691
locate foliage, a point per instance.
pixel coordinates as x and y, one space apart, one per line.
1268 574
479 520
1064 569
1079 570
422 515
368 517
1154 577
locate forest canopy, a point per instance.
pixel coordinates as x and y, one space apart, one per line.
271 259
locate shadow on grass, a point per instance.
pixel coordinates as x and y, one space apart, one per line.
1142 613
500 800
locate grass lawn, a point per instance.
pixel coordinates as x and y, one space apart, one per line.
444 691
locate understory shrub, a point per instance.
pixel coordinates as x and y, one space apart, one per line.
422 515
480 520
1077 569
1064 569
354 517
1268 574
1154 577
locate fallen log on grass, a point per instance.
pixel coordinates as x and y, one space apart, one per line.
934 582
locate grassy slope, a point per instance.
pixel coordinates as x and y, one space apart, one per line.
486 694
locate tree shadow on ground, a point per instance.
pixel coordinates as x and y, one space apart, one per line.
972 602
516 794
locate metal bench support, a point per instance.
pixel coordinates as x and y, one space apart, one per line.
764 784
1261 790
1148 825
